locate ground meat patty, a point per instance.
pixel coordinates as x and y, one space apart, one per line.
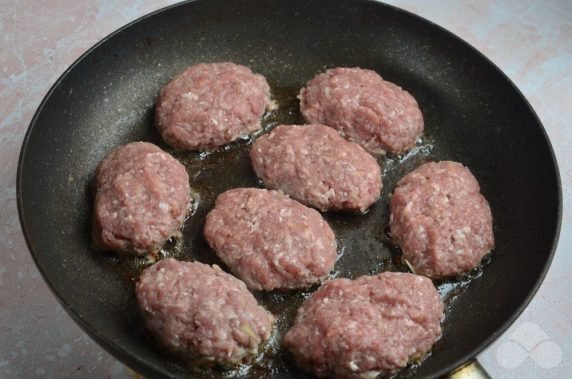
316 166
142 196
269 240
377 114
359 328
210 105
441 221
201 313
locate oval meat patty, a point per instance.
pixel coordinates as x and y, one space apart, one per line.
201 313
377 114
142 197
441 221
360 328
210 105
316 166
269 240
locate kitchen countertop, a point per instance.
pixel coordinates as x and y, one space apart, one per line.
530 40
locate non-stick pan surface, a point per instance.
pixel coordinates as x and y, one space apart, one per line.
473 114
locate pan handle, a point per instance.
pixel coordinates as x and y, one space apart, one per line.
470 370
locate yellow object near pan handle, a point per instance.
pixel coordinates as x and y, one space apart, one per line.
470 370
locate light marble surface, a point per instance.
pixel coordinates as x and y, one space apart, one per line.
530 40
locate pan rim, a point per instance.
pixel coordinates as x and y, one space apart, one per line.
120 352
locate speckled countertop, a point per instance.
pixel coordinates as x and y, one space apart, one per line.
530 40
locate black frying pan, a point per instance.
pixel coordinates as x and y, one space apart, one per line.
473 114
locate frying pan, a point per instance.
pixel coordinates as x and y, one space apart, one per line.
473 114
